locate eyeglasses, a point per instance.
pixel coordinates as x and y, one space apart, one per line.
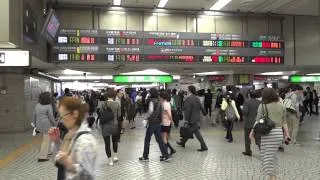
62 116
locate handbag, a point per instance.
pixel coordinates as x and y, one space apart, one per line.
265 124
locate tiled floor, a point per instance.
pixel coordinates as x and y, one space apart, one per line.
223 161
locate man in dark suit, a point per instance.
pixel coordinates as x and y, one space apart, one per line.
239 102
192 108
309 99
208 102
250 109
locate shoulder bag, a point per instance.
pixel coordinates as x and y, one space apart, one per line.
265 124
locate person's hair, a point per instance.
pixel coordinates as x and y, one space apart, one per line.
192 89
314 90
296 87
66 91
55 95
209 90
154 93
45 98
164 95
254 94
111 94
269 95
74 104
308 88
219 90
174 91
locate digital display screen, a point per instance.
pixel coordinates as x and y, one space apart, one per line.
77 57
122 58
170 42
266 44
304 79
216 78
173 58
223 43
76 40
53 26
122 41
266 60
142 79
224 59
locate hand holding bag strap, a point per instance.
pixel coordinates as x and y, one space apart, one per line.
266 111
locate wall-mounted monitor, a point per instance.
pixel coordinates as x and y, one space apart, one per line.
51 27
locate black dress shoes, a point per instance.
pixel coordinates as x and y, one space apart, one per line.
247 153
203 149
181 144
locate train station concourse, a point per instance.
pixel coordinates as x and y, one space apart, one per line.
159 89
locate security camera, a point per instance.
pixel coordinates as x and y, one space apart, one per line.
85 74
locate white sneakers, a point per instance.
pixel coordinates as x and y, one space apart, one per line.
113 160
110 163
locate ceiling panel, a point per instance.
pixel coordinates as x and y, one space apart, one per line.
302 7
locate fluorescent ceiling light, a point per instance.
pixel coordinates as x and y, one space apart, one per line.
285 77
214 73
73 72
207 73
176 77
272 73
220 4
116 2
162 3
146 72
313 74
85 78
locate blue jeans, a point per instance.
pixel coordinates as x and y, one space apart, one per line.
156 130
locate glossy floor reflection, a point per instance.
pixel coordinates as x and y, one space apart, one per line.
223 161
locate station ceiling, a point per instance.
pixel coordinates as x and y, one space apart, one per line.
296 7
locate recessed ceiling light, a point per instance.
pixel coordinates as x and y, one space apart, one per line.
162 3
116 2
220 4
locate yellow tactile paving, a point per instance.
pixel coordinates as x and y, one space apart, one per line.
15 154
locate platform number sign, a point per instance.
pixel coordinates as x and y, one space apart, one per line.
2 57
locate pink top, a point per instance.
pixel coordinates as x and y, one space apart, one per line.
166 115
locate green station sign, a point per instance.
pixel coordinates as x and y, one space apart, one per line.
142 79
304 79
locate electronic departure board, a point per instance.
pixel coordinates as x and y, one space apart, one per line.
162 47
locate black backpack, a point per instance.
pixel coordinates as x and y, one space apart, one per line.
107 115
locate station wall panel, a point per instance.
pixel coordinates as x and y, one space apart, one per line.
72 18
206 24
307 41
113 20
134 21
150 22
173 23
228 24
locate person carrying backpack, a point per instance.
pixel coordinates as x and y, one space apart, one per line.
109 121
154 127
231 114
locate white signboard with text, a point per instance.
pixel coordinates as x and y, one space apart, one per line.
14 58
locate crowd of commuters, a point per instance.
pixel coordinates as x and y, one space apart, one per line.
67 122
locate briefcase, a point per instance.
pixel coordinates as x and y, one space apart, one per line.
186 132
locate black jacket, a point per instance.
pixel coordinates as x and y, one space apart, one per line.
208 98
192 108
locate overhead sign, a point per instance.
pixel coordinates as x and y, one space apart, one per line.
14 58
304 79
142 79
175 47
